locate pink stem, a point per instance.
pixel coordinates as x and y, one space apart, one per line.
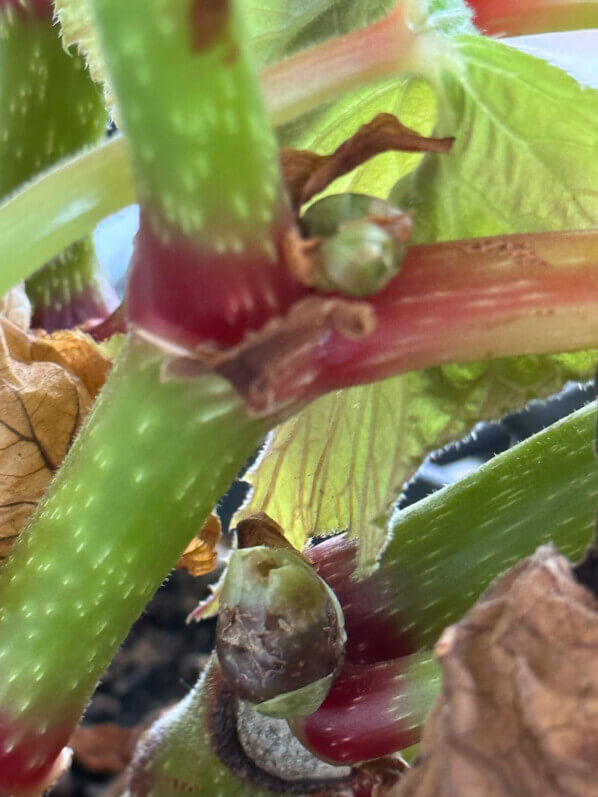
518 17
309 78
462 301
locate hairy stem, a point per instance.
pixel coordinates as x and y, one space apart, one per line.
49 109
158 450
447 548
132 492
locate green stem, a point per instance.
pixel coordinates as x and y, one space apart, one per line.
70 289
446 549
49 109
60 206
56 209
205 168
148 467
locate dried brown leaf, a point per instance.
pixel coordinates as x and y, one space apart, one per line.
47 386
306 173
76 352
518 712
200 556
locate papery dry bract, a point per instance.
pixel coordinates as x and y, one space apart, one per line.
519 707
47 387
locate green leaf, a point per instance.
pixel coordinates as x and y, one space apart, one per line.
525 154
282 28
524 160
411 100
448 547
340 462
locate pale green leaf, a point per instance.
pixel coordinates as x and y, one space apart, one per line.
525 158
282 27
341 461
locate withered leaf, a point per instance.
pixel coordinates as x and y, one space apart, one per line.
307 173
47 386
518 712
76 352
200 556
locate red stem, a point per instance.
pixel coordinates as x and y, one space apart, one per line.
462 301
188 294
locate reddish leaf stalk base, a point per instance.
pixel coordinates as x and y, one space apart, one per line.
463 301
373 623
87 307
519 17
457 301
365 716
371 710
73 302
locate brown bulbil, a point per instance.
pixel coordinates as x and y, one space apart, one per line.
519 707
279 626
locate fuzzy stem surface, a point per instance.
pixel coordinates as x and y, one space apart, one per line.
146 470
446 549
